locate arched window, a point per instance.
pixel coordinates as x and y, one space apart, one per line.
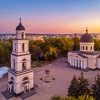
14 63
86 48
25 78
22 36
12 78
25 81
23 64
23 47
91 47
83 47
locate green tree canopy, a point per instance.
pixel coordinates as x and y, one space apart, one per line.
73 88
96 88
83 85
78 86
59 98
51 54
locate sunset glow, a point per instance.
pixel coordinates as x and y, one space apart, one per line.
50 16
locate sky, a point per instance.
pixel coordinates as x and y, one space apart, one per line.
50 16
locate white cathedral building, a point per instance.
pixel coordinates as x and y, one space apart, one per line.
86 57
20 75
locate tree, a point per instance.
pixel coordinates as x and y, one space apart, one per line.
5 51
97 45
82 97
1 53
64 45
85 97
96 88
35 51
71 98
83 85
76 41
59 98
78 86
51 54
73 88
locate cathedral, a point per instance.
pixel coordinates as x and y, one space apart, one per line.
20 75
86 57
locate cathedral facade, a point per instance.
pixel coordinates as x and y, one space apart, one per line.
86 57
20 75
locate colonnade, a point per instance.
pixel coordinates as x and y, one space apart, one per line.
78 63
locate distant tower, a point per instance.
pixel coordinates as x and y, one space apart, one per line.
20 75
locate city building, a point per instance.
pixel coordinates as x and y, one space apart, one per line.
37 36
86 57
20 75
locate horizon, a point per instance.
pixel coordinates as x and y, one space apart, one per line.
50 16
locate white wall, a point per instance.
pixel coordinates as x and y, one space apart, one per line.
98 63
88 45
19 46
18 62
18 87
92 63
19 34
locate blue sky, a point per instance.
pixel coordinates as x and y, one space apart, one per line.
50 15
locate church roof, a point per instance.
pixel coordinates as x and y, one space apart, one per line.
86 37
20 26
82 56
87 53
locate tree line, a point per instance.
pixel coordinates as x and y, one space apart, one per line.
50 48
47 50
5 51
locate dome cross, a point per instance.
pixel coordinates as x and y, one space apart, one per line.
87 30
20 19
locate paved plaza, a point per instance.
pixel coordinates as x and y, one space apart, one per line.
58 70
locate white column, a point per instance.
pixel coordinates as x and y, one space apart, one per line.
70 61
10 88
81 64
78 63
75 62
84 64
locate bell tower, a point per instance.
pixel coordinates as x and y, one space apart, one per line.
20 75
